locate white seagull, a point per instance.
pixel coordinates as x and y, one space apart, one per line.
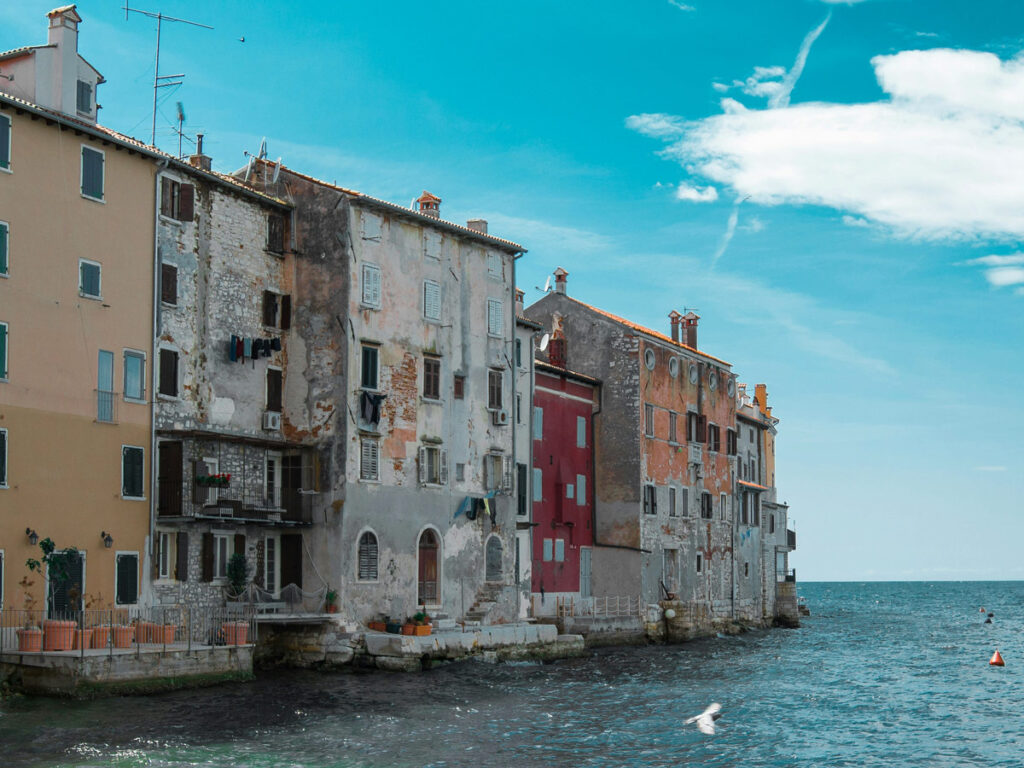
706 720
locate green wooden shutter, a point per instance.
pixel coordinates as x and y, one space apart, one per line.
131 471
5 141
4 233
3 350
127 580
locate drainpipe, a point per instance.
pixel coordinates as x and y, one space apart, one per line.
512 425
147 559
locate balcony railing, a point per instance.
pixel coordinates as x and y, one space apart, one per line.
786 576
791 538
106 406
293 506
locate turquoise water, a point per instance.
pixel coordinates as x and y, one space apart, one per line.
882 674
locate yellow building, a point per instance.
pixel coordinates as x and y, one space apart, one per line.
77 212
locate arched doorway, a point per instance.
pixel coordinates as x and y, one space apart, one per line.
492 560
428 591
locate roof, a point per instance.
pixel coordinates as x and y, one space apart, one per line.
414 214
108 134
15 53
523 320
428 197
549 368
641 329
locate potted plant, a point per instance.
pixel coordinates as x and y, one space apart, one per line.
30 637
421 624
100 631
331 600
58 634
392 627
377 626
408 628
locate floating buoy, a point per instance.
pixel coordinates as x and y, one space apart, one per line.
996 660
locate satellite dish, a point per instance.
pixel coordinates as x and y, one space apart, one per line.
277 171
262 153
544 342
547 287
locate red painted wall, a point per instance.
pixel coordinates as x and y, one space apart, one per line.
560 459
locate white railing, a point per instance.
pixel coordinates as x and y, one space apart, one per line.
599 607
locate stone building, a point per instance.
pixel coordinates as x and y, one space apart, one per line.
665 445
405 378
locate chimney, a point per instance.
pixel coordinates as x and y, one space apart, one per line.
429 205
675 317
520 293
199 160
558 350
477 225
689 334
560 279
761 397
62 36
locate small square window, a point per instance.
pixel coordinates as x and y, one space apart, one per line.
89 279
92 173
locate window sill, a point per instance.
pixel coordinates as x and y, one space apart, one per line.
4 275
6 169
369 306
165 219
136 400
370 481
431 400
89 296
162 396
168 305
133 498
99 200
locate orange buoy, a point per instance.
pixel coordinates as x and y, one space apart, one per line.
996 660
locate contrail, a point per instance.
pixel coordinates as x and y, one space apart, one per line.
781 99
730 230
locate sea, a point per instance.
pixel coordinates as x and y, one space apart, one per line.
880 674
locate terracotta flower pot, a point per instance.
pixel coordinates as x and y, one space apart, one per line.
408 629
30 640
235 632
146 631
83 639
100 637
377 626
124 637
164 634
421 629
58 635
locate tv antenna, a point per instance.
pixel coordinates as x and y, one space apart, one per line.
161 81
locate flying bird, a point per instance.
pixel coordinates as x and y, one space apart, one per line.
706 720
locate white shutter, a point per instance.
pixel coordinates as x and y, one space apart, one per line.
538 423
443 458
370 455
421 459
581 489
431 300
507 467
495 318
431 244
538 484
371 285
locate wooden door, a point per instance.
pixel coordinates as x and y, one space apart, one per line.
428 592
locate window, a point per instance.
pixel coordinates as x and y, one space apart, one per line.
669 569
367 557
746 569
495 318
519 408
459 387
684 501
371 286
275 233
521 484
369 468
433 465
755 509
164 565
581 490
131 472
538 423
559 550
745 508
105 386
581 432
277 310
496 472
169 284
134 376
89 278
5 142
460 472
274 381
672 436
3 458
714 438
92 173
126 579
649 358
730 442
223 547
671 502
538 484
649 420
771 523
431 300
5 232
494 265
431 244
700 562
723 506
494 389
84 97
177 201
650 500
370 355
169 372
370 227
432 378
706 511
692 419
3 351
548 550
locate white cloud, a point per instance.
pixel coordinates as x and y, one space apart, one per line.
543 238
781 97
681 5
996 261
696 194
939 159
1000 277
730 230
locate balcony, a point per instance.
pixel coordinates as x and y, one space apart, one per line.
106 406
293 506
791 538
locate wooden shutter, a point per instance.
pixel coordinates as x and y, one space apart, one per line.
368 468
240 543
273 390
207 556
291 559
702 429
5 141
506 479
92 173
168 284
275 233
3 350
270 308
421 461
181 562
166 196
127 581
168 372
4 232
186 202
431 300
367 557
371 285
286 312
131 471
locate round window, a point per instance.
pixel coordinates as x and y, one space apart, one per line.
694 373
649 359
673 366
731 387
712 380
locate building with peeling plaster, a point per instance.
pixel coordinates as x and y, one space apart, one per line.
233 474
526 341
406 378
665 456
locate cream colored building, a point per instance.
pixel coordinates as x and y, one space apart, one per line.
77 212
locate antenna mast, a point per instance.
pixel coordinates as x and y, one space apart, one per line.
157 77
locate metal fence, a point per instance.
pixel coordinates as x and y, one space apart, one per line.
125 630
597 607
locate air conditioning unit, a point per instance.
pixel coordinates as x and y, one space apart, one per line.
271 420
500 417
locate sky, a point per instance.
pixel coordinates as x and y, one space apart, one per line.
836 188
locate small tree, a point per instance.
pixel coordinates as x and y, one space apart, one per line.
57 567
238 573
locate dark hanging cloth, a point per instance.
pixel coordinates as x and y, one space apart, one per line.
275 344
232 349
239 349
369 407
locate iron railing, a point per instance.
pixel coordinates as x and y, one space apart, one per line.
598 607
293 505
791 538
106 406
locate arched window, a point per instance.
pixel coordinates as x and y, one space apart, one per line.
367 557
493 559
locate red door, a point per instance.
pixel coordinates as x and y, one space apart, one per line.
428 591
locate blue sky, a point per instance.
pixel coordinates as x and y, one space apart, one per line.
835 187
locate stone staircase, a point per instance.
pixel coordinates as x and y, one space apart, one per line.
486 598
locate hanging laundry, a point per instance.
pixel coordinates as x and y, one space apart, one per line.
247 348
369 407
257 348
465 506
239 349
275 344
232 346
